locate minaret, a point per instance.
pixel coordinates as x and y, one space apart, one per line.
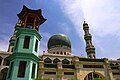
13 38
24 60
90 49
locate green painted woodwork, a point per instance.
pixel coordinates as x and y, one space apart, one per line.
34 35
16 58
59 39
21 54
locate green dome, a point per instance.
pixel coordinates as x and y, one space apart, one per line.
59 39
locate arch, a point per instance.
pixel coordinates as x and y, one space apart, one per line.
47 60
64 53
61 52
53 52
12 49
117 64
0 60
57 52
3 74
56 60
94 76
112 64
65 61
6 62
68 53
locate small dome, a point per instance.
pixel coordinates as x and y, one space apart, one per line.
59 40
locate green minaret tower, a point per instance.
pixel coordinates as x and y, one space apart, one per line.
90 49
24 60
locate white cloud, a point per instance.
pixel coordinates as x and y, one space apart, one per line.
101 15
72 9
4 46
65 28
4 43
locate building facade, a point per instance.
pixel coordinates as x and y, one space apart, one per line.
55 64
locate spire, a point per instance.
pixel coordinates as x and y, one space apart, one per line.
26 45
90 49
13 38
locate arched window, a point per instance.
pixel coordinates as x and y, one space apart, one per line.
111 64
65 61
3 74
57 52
53 52
64 53
67 53
56 60
6 62
71 61
12 49
48 60
94 76
61 52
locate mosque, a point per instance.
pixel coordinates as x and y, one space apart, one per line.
23 62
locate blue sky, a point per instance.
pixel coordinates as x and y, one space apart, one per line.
67 16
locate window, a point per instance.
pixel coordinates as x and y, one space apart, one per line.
26 42
65 61
116 73
12 50
50 73
22 68
64 53
10 70
57 52
56 60
36 45
16 45
92 66
48 60
50 65
6 62
68 66
61 52
33 70
68 73
3 74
